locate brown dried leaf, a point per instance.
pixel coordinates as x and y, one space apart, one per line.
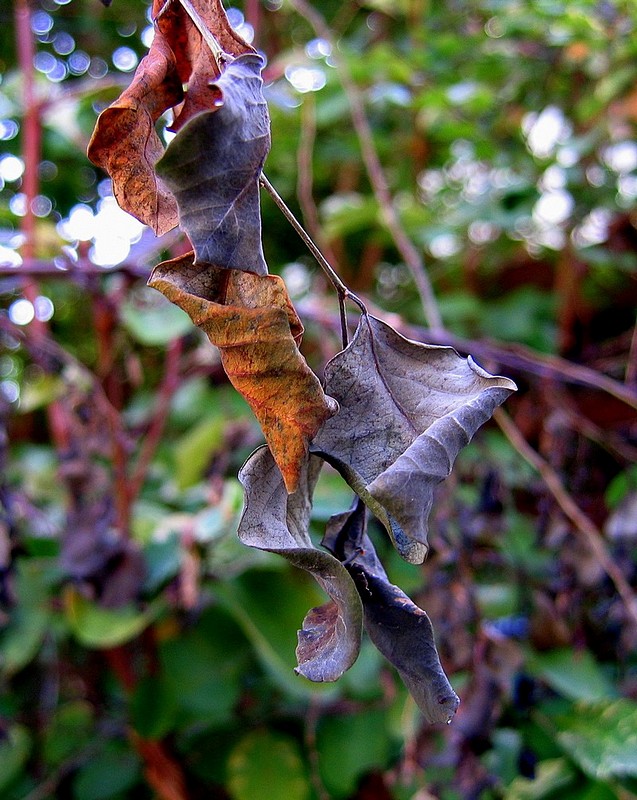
196 64
273 520
251 320
126 145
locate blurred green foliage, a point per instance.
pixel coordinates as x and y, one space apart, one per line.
506 129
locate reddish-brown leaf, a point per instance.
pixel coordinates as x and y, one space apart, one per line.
196 64
251 320
126 145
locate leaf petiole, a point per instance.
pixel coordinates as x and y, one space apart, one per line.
341 289
221 57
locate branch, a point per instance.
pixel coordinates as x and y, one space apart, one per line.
377 177
343 292
152 439
582 523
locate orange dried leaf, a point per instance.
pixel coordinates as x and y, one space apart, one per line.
251 320
126 145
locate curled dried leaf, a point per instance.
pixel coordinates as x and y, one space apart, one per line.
251 320
400 629
406 410
126 145
213 166
329 640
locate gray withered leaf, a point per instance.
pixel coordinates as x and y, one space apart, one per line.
273 520
398 628
406 411
213 165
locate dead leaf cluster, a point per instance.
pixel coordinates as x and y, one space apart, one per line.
393 414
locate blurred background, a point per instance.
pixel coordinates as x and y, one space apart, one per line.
470 169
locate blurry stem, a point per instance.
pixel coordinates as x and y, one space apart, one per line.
378 180
170 384
311 723
305 180
582 523
253 17
631 364
31 147
342 291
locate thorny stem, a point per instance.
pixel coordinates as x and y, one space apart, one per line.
570 508
375 171
341 289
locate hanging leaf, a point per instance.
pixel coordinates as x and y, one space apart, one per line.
406 410
400 630
196 63
126 145
277 522
213 166
251 320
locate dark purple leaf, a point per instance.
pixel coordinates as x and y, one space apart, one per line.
406 410
213 166
276 521
400 630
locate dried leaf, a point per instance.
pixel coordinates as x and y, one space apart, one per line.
406 410
196 64
126 145
400 630
251 320
213 166
275 521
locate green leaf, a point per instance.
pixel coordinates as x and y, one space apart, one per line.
348 747
195 449
155 322
153 708
68 732
202 669
267 764
112 771
551 775
574 675
602 738
14 751
269 604
98 627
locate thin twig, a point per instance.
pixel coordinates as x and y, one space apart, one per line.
170 384
582 523
69 269
631 363
305 179
378 180
341 289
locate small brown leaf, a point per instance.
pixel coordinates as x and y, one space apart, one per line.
251 320
126 145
